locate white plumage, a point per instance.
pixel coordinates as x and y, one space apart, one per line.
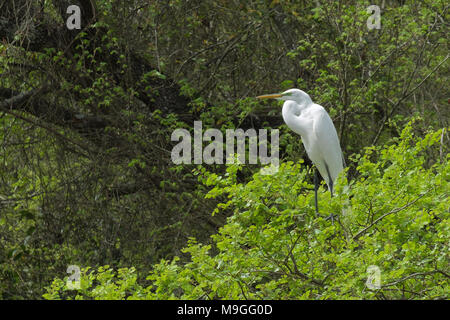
314 125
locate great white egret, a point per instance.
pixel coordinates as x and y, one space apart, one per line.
319 136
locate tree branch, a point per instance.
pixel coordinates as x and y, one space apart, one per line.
360 233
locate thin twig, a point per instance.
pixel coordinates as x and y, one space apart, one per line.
406 95
409 277
360 233
441 154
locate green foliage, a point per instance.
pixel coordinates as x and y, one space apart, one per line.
395 216
87 179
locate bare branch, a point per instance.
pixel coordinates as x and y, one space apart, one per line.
360 233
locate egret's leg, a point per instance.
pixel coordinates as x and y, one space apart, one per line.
316 187
331 216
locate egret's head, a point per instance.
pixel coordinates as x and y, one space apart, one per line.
297 95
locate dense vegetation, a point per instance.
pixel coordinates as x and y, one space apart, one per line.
86 176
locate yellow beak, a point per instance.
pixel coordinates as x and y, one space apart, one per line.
270 96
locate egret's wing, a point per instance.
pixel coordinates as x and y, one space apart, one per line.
328 143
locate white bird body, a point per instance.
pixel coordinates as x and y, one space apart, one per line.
314 125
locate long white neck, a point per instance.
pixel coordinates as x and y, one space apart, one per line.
292 111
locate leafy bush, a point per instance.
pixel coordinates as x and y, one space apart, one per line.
395 216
